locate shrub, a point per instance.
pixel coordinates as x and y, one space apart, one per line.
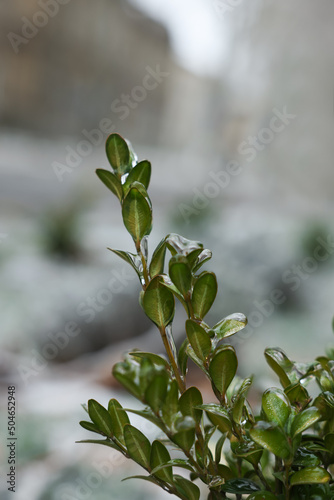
285 452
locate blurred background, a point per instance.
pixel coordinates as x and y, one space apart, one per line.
232 102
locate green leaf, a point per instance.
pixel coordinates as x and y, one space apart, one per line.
182 357
204 294
176 462
218 416
188 402
304 458
297 394
148 415
203 257
160 456
187 488
223 368
239 400
130 258
329 442
158 259
137 214
272 438
230 325
140 173
119 419
121 373
192 258
111 181
304 420
185 437
150 479
310 475
170 406
181 245
180 274
248 450
155 393
240 486
158 303
104 442
118 154
280 363
89 426
154 358
100 417
199 339
276 406
219 447
138 446
262 495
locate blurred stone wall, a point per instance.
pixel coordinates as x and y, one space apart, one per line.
68 64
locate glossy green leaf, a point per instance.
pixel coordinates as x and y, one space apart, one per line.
130 258
276 406
160 456
111 181
239 400
262 495
204 294
223 368
192 258
119 419
150 479
240 486
272 438
248 450
137 214
155 393
304 458
180 274
89 426
230 325
185 435
329 442
158 259
138 446
181 245
188 402
199 339
297 394
118 154
148 414
310 475
167 282
100 417
225 472
182 357
218 416
158 303
203 257
121 373
280 363
170 406
104 442
176 462
140 173
154 358
187 488
304 420
219 447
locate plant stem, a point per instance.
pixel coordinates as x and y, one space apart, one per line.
179 379
287 486
262 478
